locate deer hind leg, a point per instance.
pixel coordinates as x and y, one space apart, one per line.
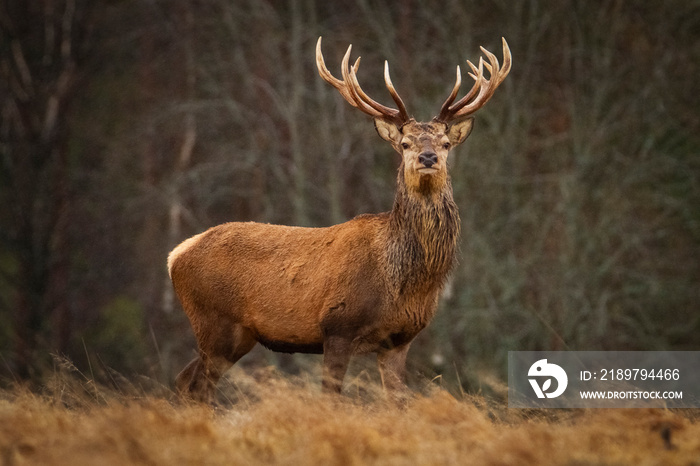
336 357
198 379
392 368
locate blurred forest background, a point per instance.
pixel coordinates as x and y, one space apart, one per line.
129 125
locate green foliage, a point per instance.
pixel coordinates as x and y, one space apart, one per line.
118 336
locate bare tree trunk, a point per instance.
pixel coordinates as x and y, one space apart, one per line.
150 230
189 139
35 122
59 268
165 321
297 85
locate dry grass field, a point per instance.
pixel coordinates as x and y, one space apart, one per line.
271 419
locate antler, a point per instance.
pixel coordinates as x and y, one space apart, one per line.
351 91
481 91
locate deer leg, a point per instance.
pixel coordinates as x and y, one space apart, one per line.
392 367
185 377
336 357
198 379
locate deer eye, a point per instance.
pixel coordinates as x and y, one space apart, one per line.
447 145
405 145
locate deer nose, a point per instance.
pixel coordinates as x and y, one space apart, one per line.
428 159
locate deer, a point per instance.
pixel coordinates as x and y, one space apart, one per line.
368 285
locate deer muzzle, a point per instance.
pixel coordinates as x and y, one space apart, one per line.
428 159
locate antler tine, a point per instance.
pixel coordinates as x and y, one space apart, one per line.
362 100
477 75
506 61
351 91
482 90
394 95
329 78
453 94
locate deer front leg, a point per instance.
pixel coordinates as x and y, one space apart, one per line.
392 367
336 357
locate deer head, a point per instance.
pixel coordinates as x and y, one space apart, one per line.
422 146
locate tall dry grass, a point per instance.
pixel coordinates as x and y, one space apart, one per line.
266 418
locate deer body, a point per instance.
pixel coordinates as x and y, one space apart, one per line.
367 285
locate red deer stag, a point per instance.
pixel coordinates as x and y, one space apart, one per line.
366 285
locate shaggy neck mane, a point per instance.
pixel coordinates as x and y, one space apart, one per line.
424 229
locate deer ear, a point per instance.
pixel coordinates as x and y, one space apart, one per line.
459 131
388 131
